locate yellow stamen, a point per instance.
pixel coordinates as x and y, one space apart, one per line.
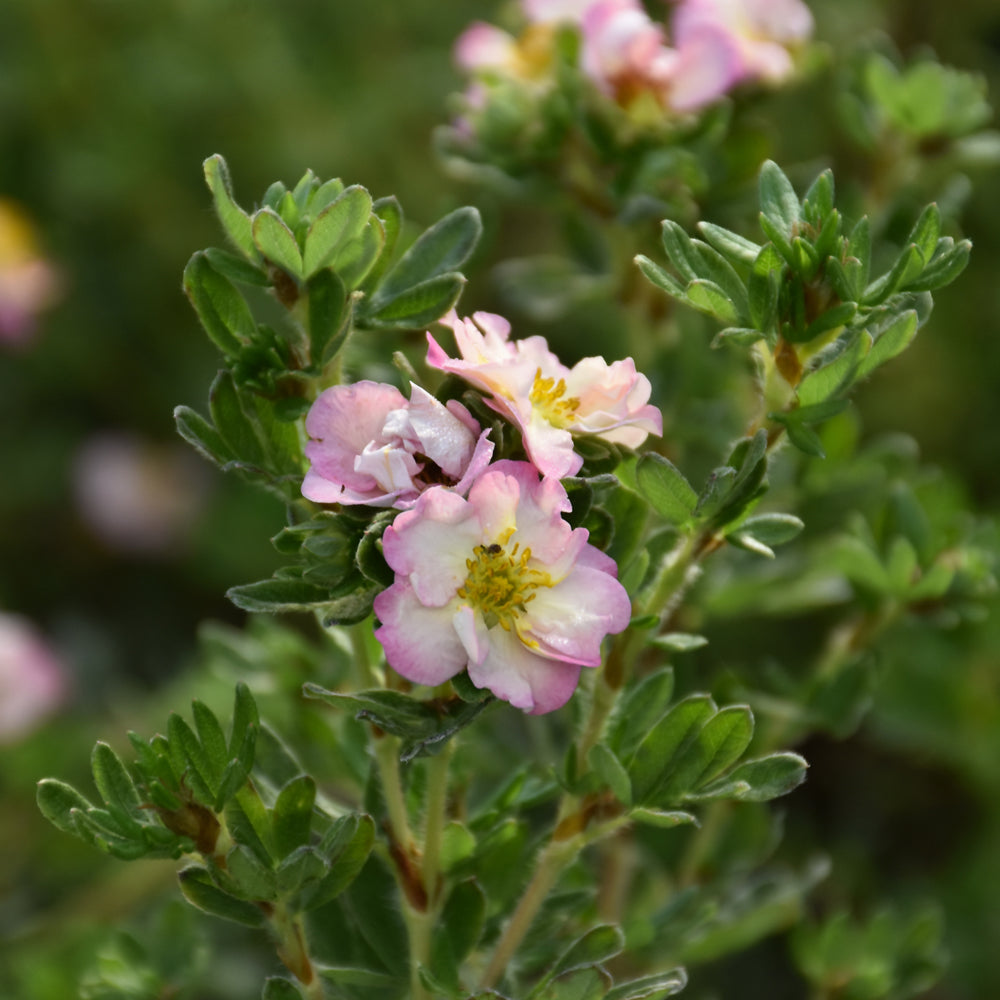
547 397
501 584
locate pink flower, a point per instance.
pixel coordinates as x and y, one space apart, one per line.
623 49
372 445
547 401
138 496
28 283
500 585
761 31
32 680
555 11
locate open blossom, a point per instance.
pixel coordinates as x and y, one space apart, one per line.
759 31
32 680
548 402
500 585
372 445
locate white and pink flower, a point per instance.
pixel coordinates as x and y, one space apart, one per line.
372 445
549 403
32 678
501 586
759 32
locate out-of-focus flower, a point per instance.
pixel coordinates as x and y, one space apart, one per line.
32 678
762 32
488 51
548 402
28 283
498 584
555 11
623 50
137 496
372 445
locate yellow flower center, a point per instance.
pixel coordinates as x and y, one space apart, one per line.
500 584
547 396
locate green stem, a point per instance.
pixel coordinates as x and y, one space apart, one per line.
293 951
551 861
437 802
386 748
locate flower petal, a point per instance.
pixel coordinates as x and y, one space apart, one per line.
419 641
528 681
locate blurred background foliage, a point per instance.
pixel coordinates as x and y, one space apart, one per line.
107 110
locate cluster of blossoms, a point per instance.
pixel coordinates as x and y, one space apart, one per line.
490 578
712 46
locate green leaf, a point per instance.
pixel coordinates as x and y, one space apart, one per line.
438 252
651 768
584 984
666 489
759 780
291 816
201 891
763 287
662 279
369 556
246 724
221 309
681 250
655 987
678 642
236 429
390 213
334 227
58 801
769 529
460 926
190 759
276 242
346 863
277 988
926 231
255 880
662 818
611 771
356 259
710 298
417 306
721 742
235 268
302 868
730 244
639 710
199 433
234 220
329 316
277 595
600 944
834 380
909 265
212 738
778 200
947 264
818 201
116 787
423 727
891 341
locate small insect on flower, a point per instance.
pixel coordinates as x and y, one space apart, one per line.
500 585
